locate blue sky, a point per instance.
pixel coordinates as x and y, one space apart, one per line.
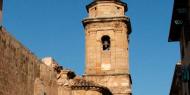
54 28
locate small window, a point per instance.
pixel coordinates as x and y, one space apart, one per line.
118 8
105 43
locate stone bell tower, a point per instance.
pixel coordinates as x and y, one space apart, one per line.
107 32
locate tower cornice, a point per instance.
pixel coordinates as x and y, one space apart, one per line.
124 19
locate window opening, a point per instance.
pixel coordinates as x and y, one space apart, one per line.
105 43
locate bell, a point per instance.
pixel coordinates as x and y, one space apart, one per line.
106 44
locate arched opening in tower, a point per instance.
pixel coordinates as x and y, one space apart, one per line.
105 42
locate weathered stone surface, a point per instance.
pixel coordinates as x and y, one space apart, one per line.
49 80
116 83
117 57
18 67
107 32
106 8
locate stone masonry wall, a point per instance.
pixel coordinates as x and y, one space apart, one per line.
118 84
22 73
85 92
48 81
18 67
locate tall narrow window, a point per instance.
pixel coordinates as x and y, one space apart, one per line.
105 43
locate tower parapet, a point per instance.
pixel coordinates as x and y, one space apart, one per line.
106 8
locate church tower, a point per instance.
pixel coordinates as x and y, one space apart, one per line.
107 32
